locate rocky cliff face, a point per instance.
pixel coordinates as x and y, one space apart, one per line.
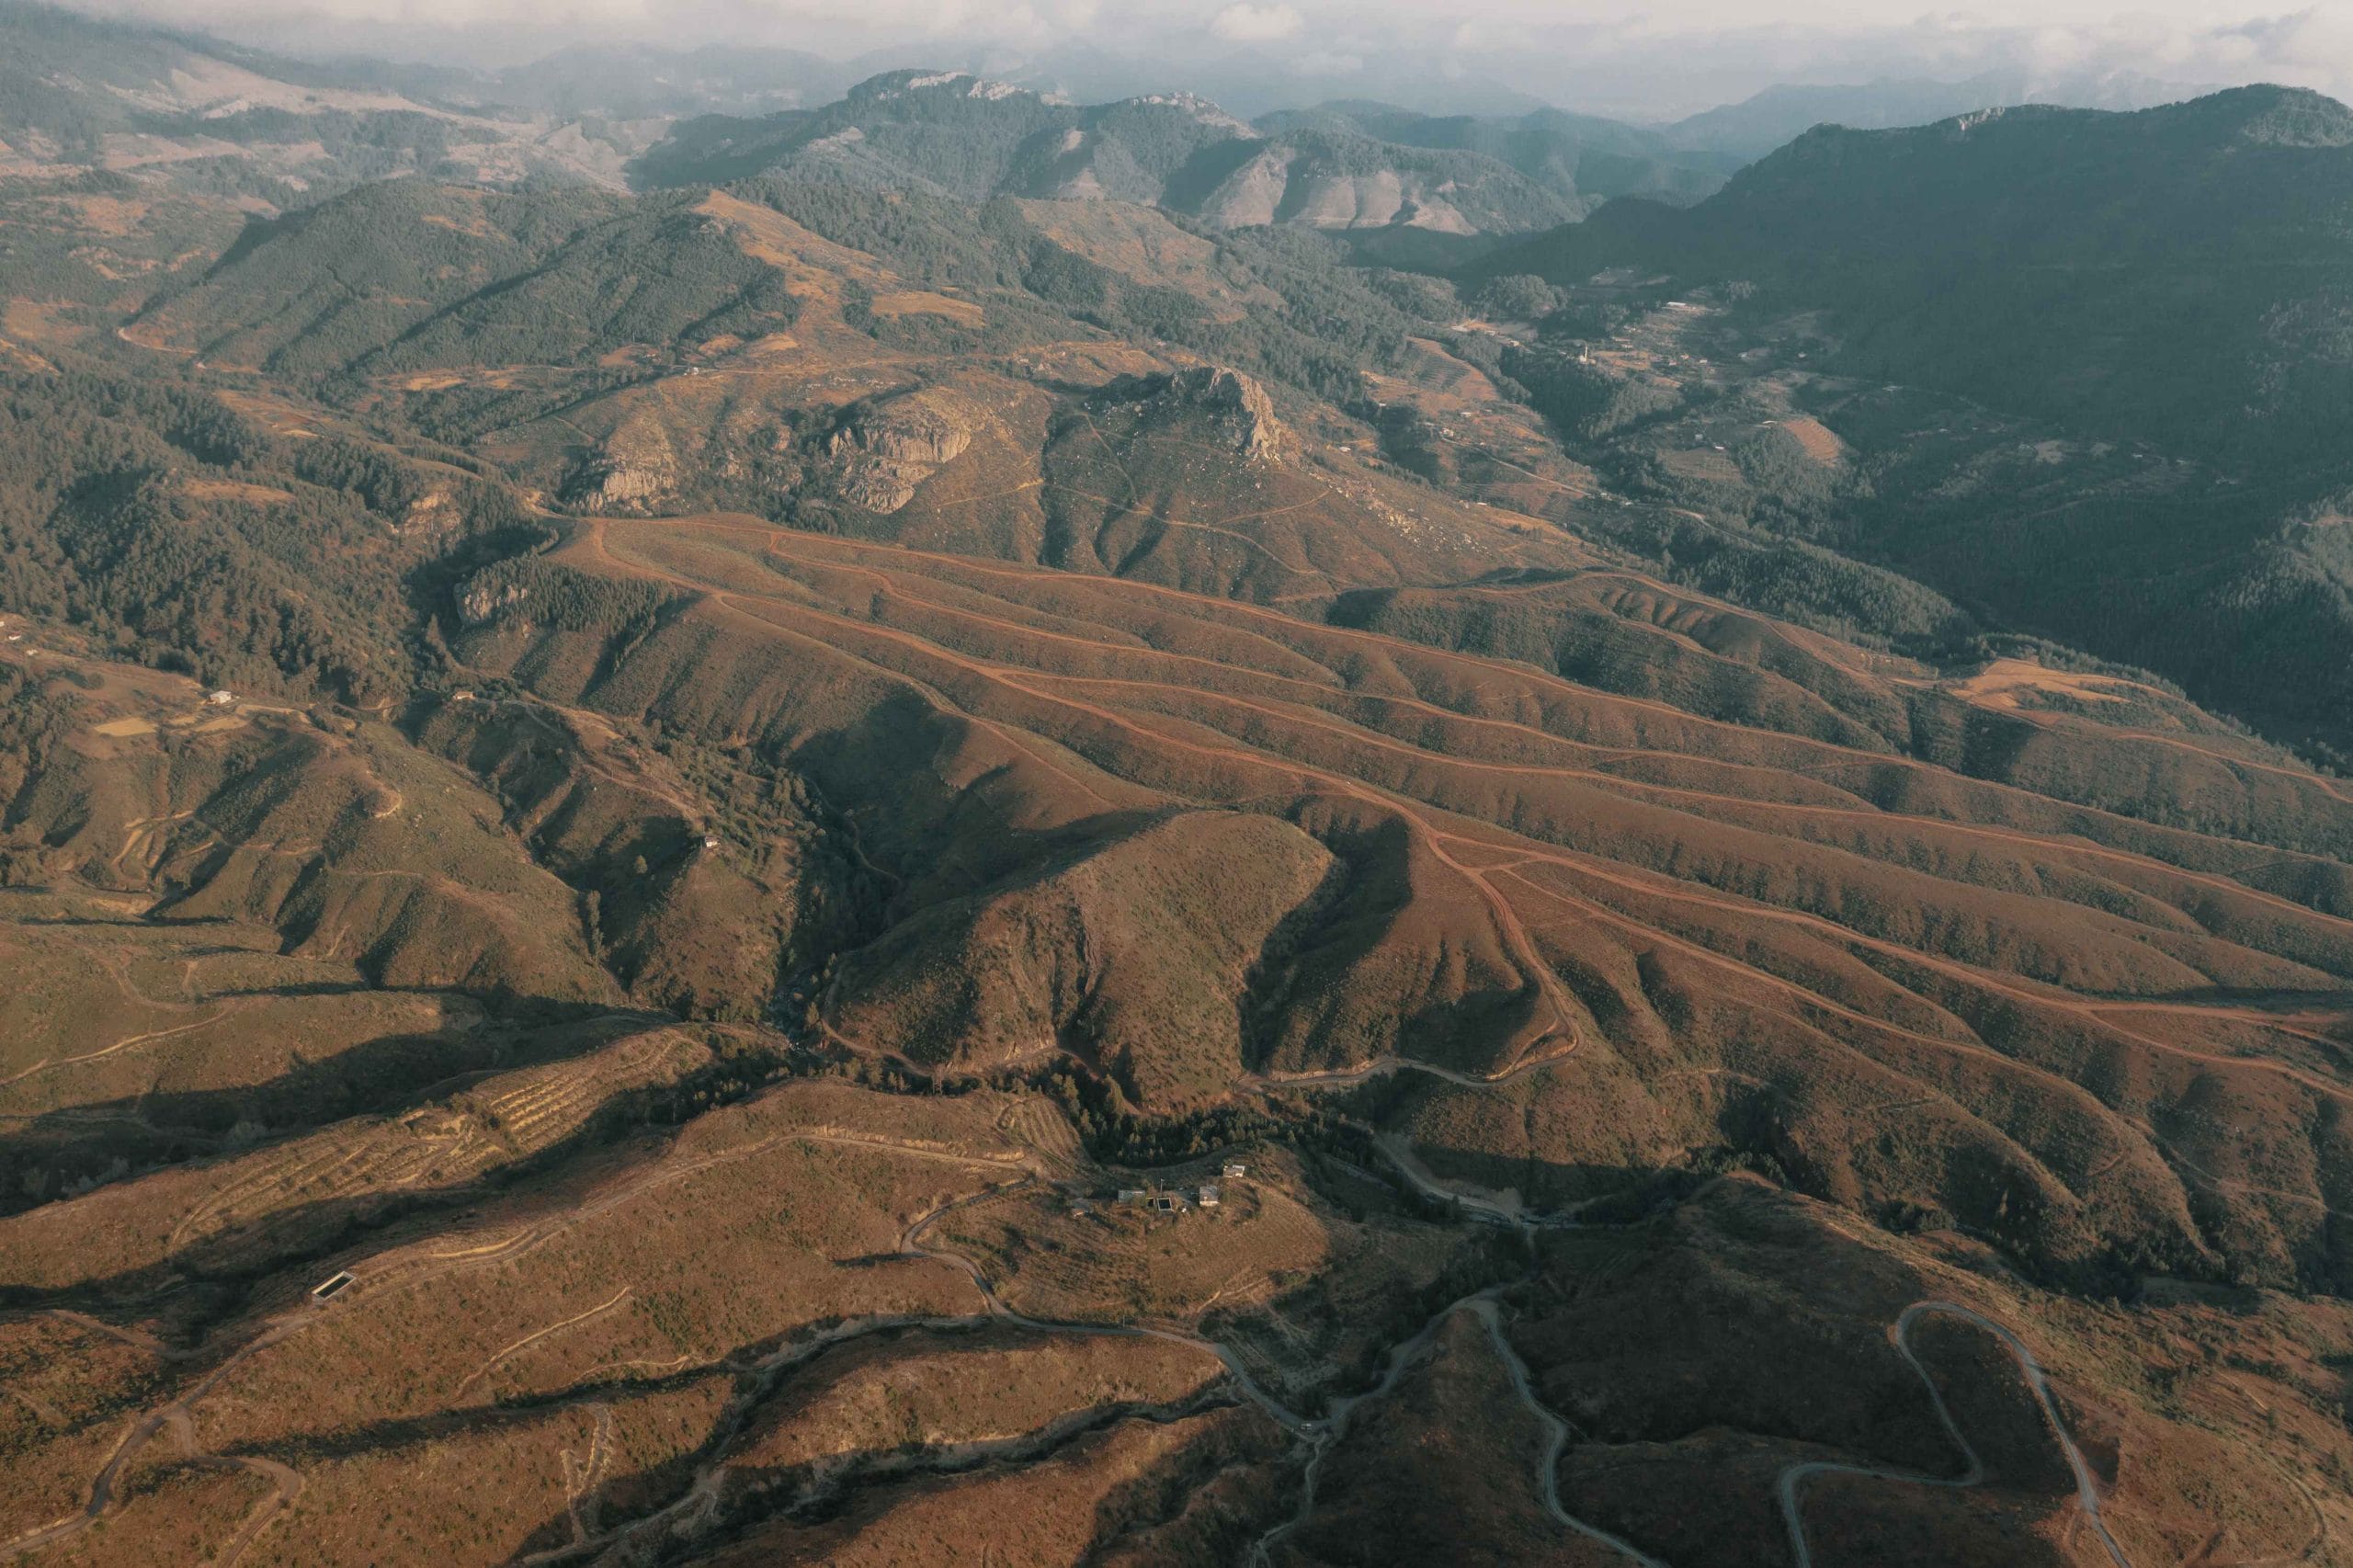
881 452
637 471
1287 185
480 601
1238 405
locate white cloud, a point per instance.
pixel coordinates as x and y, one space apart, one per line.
1244 22
1641 58
1327 63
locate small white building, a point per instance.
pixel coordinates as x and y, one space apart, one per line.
1209 1198
1234 1169
221 699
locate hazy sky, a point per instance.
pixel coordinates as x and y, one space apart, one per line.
1664 57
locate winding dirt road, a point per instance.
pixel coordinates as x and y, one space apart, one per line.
1794 1477
1556 1438
178 1418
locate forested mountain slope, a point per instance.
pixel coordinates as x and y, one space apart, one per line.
820 870
205 118
2167 287
2172 275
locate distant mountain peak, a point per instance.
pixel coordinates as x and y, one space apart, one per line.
2261 115
973 137
907 83
1200 109
2268 115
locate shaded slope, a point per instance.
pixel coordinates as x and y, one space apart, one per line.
2130 273
2160 292
1582 158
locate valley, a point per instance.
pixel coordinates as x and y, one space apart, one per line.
880 831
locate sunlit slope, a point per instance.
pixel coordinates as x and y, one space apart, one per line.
2093 1033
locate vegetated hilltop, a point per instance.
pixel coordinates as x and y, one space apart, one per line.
1583 157
2164 290
660 851
963 135
2170 274
1758 124
974 379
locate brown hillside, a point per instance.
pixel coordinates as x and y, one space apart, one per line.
1725 930
889 881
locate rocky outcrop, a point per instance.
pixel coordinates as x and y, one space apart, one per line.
882 451
1351 183
485 595
1240 408
636 472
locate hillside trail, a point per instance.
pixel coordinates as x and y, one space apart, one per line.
1419 816
2090 1008
1792 1478
1423 821
1378 1066
1553 994
700 1501
1323 1435
126 1043
2072 847
911 1243
1635 789
1556 681
1506 921
177 1417
1556 1439
2319 781
1543 679
1222 610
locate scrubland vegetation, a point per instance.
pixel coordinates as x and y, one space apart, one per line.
734 804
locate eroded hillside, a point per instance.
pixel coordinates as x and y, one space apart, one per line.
786 873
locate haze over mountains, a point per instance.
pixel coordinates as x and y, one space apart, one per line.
87 92
937 825
1674 59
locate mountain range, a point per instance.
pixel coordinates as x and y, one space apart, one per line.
2170 283
949 827
1756 125
1344 166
